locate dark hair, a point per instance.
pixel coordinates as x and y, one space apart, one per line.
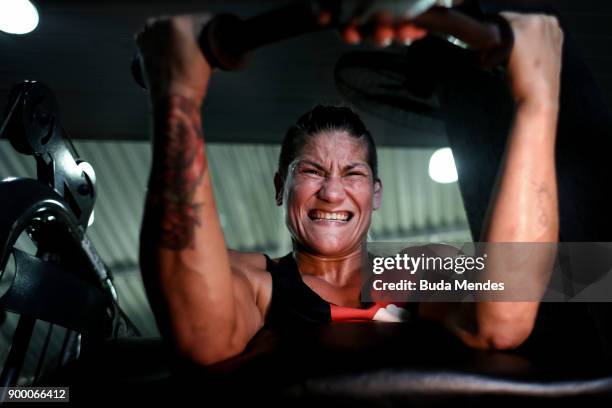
321 119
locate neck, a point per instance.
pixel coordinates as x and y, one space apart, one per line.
337 270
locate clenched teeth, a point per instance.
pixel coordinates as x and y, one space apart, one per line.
334 216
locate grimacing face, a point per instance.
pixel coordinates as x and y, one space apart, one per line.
329 195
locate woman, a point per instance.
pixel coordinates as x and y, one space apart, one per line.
211 301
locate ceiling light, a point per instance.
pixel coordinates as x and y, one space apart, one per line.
17 16
442 166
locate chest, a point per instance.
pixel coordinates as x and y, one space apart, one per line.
348 295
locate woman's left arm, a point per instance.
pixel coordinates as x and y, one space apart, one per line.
524 205
524 209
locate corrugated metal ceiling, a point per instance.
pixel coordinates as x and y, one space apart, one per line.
414 207
242 180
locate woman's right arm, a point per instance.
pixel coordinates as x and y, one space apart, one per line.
209 311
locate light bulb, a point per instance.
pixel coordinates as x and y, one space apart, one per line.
17 16
442 166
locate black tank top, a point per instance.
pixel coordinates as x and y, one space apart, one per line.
294 303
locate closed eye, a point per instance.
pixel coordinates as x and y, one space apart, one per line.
313 172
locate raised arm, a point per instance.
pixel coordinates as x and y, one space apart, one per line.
524 205
207 309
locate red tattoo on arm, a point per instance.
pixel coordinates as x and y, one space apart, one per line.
179 163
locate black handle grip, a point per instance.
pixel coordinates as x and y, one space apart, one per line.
492 38
227 40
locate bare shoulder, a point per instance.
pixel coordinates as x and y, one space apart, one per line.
250 267
244 261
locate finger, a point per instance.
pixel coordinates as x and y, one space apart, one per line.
406 33
350 34
383 36
381 25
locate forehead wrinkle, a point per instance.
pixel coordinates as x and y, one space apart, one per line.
337 146
355 164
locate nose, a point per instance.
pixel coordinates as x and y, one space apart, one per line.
332 190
